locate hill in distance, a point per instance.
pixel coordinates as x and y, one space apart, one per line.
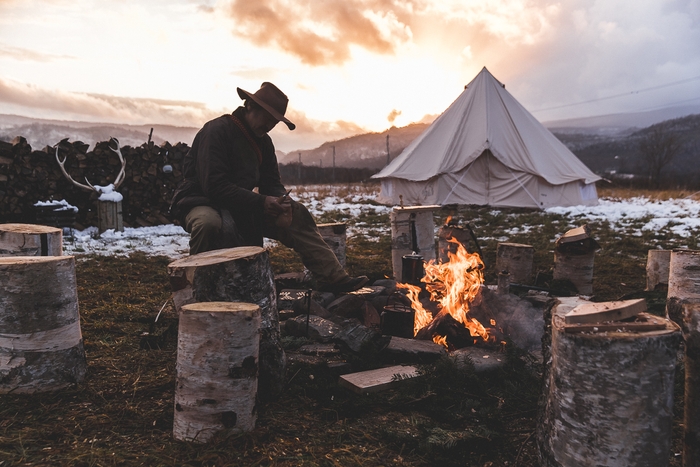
40 133
367 150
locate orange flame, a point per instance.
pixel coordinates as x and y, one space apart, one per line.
453 285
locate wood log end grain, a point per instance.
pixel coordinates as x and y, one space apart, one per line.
13 260
242 308
216 256
605 311
28 228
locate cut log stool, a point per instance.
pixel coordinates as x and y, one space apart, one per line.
683 282
109 216
576 268
412 230
658 262
691 418
608 396
41 346
451 232
515 258
336 238
30 240
241 274
217 369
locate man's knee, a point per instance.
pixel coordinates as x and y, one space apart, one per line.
204 225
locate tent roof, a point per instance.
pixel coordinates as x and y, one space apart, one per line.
486 116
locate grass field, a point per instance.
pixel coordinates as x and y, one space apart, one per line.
122 413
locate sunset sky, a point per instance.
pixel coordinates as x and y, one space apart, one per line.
348 66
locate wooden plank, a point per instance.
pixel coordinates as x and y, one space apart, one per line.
377 380
605 311
575 235
644 322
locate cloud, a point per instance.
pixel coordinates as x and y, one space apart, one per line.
38 102
392 115
19 53
97 107
320 32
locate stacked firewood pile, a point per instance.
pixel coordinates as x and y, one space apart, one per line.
28 176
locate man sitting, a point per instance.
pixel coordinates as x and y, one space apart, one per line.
230 156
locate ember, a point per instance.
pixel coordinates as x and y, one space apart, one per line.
452 285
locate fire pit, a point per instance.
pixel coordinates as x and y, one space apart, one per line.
454 308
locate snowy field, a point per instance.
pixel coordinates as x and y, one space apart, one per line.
355 206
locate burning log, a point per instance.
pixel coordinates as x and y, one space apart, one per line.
41 346
240 274
452 330
608 396
30 240
217 369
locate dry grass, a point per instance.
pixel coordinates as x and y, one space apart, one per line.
616 192
122 413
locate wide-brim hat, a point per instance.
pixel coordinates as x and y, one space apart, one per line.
270 98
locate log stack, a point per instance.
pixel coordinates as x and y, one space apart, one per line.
28 176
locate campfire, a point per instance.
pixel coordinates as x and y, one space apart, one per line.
452 288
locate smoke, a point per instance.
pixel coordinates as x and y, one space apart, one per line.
320 33
519 319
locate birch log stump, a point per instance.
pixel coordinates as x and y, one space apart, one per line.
515 258
691 418
658 262
109 216
608 396
445 245
576 268
335 237
217 369
41 347
30 240
412 231
240 274
683 282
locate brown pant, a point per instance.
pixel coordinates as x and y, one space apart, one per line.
209 230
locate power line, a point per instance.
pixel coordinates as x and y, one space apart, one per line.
675 83
671 104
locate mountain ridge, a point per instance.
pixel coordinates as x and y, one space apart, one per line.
367 150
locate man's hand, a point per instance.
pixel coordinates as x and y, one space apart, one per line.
273 207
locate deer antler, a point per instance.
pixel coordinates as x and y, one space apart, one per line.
120 178
87 187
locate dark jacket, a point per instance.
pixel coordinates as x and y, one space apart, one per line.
223 166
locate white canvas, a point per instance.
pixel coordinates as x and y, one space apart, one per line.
487 149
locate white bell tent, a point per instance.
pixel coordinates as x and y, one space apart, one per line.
486 149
